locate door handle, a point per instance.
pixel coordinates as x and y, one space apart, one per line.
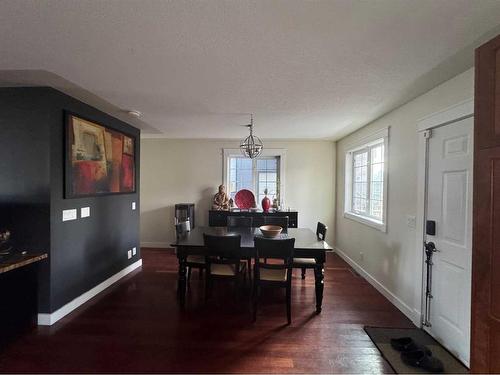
430 247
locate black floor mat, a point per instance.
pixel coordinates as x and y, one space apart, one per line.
381 337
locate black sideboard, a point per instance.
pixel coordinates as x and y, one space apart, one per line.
219 218
19 295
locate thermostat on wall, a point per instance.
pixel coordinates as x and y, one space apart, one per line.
69 214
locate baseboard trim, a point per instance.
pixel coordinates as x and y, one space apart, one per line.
49 319
411 313
158 245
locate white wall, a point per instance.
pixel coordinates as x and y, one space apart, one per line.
179 171
390 258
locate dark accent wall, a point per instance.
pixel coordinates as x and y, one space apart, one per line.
25 175
84 252
24 166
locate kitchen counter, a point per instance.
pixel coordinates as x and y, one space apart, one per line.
12 262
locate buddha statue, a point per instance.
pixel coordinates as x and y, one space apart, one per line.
221 200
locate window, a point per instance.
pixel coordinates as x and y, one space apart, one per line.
366 181
255 175
264 172
267 177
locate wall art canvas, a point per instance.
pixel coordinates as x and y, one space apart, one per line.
99 160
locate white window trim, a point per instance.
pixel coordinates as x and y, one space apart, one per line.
351 148
269 152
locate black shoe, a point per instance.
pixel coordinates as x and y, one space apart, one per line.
420 358
406 344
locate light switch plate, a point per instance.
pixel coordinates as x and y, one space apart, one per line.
134 250
85 212
129 254
411 221
70 214
133 205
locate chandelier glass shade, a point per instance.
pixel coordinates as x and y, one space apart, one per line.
251 146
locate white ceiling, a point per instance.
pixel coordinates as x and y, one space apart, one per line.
306 69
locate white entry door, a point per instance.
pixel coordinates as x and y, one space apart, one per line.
449 204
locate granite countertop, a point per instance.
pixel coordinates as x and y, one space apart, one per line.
17 260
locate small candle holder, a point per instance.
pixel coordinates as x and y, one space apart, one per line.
5 246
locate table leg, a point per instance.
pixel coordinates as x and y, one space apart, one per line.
181 282
319 284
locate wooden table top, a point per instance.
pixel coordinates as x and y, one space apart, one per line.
305 238
18 260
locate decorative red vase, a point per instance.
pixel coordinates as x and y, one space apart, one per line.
266 204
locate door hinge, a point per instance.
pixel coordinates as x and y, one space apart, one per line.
427 134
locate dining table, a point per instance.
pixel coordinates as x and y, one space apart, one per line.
307 245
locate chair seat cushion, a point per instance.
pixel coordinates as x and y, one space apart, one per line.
268 274
304 261
196 259
222 269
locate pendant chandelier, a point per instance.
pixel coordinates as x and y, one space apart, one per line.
251 146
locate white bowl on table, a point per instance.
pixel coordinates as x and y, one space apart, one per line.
270 231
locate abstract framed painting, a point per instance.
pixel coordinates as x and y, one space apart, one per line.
99 160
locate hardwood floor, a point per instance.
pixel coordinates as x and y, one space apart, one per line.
137 326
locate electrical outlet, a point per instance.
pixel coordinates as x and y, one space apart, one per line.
133 205
361 256
129 254
134 251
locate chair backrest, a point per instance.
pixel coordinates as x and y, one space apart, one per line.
227 247
282 221
321 231
239 221
269 248
181 229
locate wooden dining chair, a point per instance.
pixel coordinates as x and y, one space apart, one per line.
281 221
305 263
272 274
239 222
192 261
223 259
